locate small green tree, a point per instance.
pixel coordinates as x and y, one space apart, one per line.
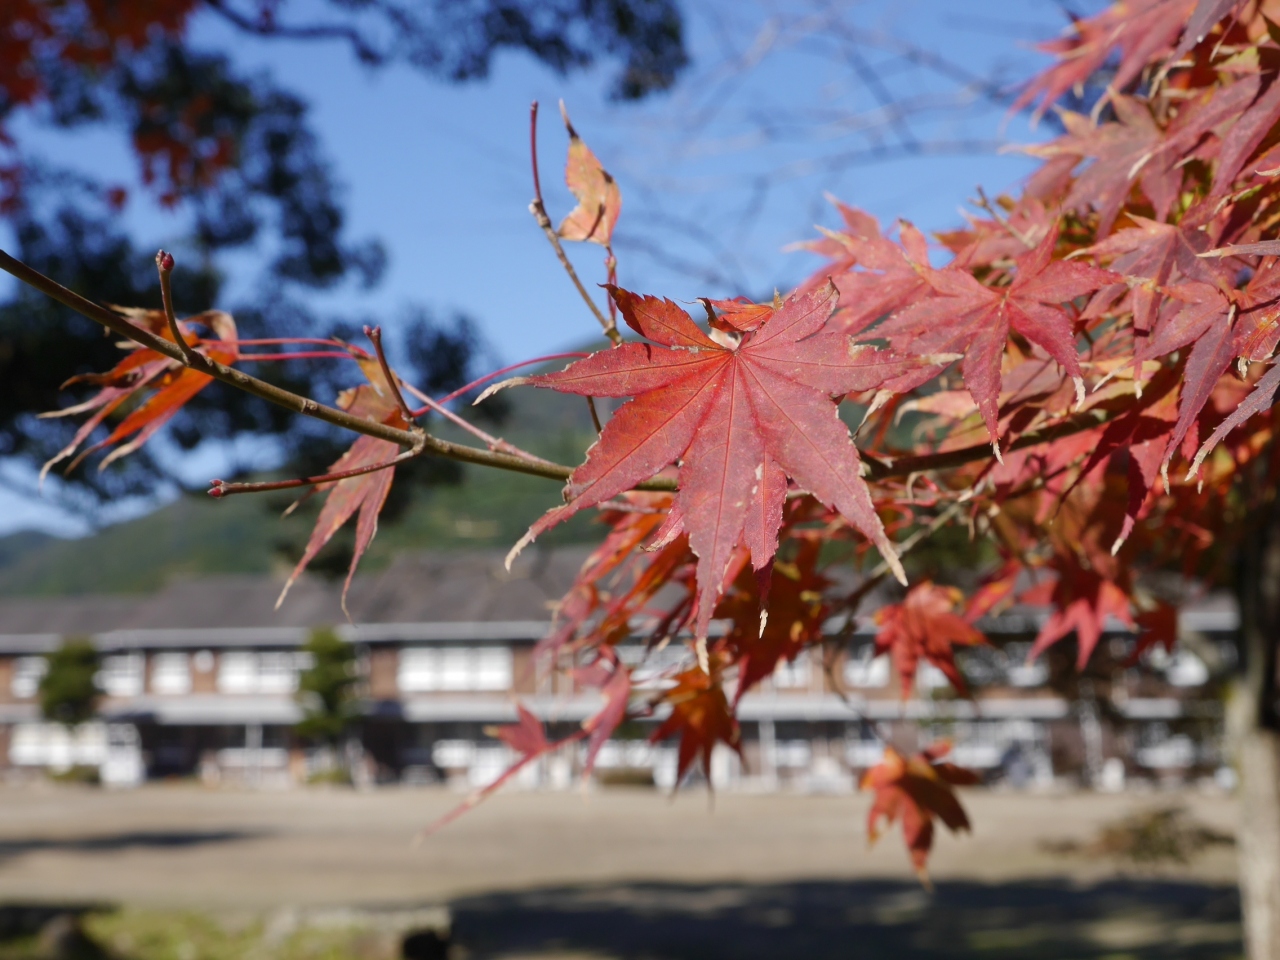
326 688
69 689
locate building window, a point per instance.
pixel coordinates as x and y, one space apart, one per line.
864 670
122 675
792 674
454 668
277 672
1023 672
242 671
27 674
170 673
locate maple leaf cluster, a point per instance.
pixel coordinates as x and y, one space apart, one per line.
1107 335
1083 383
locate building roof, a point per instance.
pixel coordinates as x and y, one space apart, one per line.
436 595
423 597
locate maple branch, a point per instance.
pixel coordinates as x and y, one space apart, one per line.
299 355
539 211
164 266
465 388
595 416
222 488
492 442
876 469
393 382
285 398
922 463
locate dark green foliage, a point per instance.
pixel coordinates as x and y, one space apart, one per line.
326 688
234 154
457 39
69 689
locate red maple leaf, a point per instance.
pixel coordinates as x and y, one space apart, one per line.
916 790
1159 253
1158 625
700 714
971 318
796 613
614 681
741 416
628 529
1262 398
1141 29
1122 152
528 739
1082 600
1203 317
526 736
925 625
874 275
365 493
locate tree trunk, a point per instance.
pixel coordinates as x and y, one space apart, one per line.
1258 752
1254 720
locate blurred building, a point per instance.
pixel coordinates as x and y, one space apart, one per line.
200 678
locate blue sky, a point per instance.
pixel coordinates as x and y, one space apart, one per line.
717 176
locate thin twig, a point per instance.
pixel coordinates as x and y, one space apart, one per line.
164 266
539 211
492 442
466 388
221 488
595 416
300 355
284 398
393 382
1000 218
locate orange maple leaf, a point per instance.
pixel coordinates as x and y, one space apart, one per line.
144 370
925 625
916 790
700 714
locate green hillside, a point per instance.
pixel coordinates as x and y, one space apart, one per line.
244 534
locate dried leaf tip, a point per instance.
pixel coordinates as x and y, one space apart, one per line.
493 388
564 115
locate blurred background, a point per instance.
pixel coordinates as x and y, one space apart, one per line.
317 166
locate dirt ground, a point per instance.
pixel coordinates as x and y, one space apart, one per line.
621 873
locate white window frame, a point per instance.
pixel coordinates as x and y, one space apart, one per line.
170 673
481 668
27 674
122 674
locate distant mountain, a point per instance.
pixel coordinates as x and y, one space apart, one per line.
244 534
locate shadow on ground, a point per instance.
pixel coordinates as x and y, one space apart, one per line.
118 842
1045 919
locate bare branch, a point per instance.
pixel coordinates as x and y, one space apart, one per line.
393 382
539 211
492 442
222 488
270 28
423 442
164 266
284 398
